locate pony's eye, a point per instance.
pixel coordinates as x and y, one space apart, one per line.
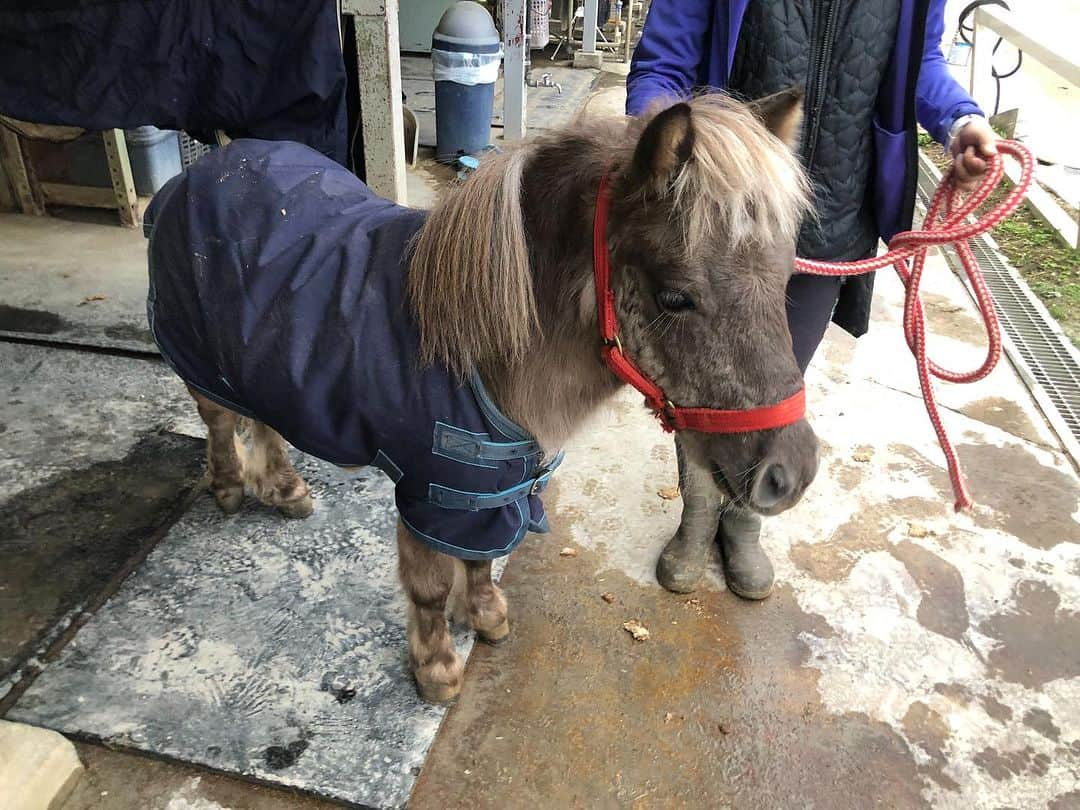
674 300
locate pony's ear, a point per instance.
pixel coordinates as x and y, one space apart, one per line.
781 113
662 149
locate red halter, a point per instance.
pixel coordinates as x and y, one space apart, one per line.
672 417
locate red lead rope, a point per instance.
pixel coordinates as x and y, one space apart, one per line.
946 224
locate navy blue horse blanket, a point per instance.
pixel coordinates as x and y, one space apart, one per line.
277 290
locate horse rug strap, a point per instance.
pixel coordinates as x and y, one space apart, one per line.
277 290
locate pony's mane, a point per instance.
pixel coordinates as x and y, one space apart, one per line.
741 180
473 297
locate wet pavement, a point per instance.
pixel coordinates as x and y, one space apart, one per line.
115 780
717 708
89 482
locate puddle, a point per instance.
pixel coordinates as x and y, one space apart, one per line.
63 540
32 321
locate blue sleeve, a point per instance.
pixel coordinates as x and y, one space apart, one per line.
668 59
939 98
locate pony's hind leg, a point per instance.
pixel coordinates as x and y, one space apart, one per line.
427 576
272 475
485 602
223 460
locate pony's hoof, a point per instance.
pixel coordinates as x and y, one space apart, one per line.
495 636
302 507
677 574
439 691
229 499
442 694
440 680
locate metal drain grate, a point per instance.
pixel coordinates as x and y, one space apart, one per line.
1040 351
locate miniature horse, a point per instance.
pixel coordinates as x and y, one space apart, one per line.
497 287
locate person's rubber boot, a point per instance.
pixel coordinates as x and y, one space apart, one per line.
747 569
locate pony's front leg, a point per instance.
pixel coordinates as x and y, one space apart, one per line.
684 558
427 576
485 602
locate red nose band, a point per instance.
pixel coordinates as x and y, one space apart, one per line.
671 416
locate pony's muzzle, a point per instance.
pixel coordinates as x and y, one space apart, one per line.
787 471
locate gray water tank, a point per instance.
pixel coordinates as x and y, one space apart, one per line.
465 55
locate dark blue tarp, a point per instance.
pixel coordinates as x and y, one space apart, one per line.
268 69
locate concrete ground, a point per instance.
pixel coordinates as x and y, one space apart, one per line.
115 780
909 657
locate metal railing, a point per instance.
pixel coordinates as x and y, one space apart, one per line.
993 24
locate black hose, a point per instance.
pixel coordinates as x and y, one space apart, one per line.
969 9
963 30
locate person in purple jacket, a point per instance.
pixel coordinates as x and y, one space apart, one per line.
870 70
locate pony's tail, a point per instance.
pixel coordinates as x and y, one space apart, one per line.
469 284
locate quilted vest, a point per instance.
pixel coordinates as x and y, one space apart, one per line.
838 50
276 290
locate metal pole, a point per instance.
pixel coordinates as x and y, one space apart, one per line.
515 43
588 37
588 56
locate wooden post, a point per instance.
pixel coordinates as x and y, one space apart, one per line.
20 174
122 181
379 69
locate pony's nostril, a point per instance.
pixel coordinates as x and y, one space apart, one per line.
775 485
776 479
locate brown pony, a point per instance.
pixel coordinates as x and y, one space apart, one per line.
707 200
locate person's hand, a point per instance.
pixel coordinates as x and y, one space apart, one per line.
969 149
